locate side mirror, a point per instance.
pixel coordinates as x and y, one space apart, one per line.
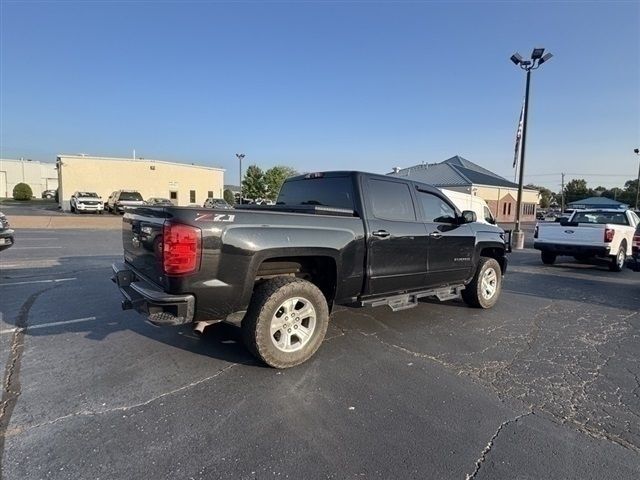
469 216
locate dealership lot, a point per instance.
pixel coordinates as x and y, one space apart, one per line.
545 385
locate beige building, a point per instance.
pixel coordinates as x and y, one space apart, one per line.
183 183
38 175
459 174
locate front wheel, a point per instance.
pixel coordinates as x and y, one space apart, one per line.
484 289
617 262
286 321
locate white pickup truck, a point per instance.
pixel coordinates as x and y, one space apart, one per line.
589 233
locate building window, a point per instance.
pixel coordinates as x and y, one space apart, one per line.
504 208
509 209
210 194
192 196
173 195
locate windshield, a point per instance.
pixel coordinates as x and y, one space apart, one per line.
616 218
330 192
130 196
88 194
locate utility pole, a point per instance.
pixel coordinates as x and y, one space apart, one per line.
240 156
637 152
538 57
562 191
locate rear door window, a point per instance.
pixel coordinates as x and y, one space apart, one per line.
391 200
334 192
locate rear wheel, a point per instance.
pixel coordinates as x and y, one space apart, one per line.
617 262
548 258
286 321
484 289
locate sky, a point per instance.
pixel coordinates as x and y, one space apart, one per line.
321 85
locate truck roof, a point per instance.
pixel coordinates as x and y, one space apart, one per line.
345 173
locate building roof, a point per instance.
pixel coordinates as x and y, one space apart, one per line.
453 172
598 202
137 159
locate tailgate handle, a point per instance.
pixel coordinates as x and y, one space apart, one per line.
435 235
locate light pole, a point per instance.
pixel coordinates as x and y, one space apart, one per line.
538 57
240 157
637 152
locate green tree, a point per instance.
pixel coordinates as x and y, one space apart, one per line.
546 196
22 191
253 185
228 196
275 177
576 189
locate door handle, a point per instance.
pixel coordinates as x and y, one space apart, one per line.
381 233
435 235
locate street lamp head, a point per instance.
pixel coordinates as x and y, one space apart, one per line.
525 63
636 151
516 58
537 53
240 156
545 58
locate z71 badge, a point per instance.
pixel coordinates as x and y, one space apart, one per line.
216 217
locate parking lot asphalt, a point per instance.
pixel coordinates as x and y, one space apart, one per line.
545 385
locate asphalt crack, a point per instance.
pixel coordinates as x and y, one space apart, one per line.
123 408
11 387
485 452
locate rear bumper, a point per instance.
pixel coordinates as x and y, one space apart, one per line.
562 249
160 308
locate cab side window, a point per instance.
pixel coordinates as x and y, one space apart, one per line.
435 209
487 215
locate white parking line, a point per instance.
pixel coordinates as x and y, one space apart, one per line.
24 239
46 325
28 248
56 280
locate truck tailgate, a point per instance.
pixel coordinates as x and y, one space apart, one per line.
142 241
582 234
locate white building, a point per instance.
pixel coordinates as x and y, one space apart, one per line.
38 175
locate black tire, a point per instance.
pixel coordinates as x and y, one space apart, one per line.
475 294
617 262
548 258
74 209
267 305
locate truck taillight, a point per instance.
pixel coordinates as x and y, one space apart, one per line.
608 234
535 232
181 248
636 240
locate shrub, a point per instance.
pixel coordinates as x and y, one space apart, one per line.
229 197
22 191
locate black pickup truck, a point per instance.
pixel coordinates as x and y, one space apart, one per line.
347 238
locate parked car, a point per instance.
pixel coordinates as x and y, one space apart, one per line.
216 203
333 238
120 199
635 250
464 201
6 233
158 201
600 233
540 215
49 194
86 202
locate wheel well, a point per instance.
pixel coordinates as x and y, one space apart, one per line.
494 252
319 270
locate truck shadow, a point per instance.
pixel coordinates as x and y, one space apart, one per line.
63 308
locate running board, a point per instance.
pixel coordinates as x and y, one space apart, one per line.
410 300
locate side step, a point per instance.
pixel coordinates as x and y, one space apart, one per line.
410 300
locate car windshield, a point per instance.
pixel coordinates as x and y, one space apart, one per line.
601 218
88 194
131 196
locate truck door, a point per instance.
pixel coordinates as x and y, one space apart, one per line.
451 245
396 241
